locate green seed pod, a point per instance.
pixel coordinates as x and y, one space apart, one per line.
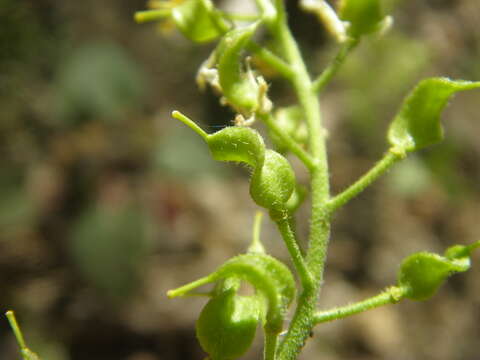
239 144
273 180
364 16
273 183
424 272
271 279
227 324
239 87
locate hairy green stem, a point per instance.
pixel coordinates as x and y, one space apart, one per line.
292 145
302 321
283 224
390 158
391 295
271 59
327 75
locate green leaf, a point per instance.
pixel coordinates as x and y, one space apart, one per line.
198 20
417 125
227 324
364 16
423 273
270 278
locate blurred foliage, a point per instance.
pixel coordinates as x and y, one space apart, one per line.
98 80
106 202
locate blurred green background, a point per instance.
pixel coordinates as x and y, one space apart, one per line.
106 202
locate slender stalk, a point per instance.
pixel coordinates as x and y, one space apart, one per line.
292 145
16 329
357 187
185 289
256 245
270 346
190 123
151 15
26 353
284 228
327 75
271 59
391 295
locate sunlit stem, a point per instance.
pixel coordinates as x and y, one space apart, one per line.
240 17
381 167
282 221
391 295
269 13
473 246
16 329
151 15
292 145
185 289
256 246
190 123
272 60
329 72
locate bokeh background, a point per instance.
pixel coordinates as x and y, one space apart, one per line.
106 202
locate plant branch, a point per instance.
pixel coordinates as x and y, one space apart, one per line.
391 295
327 75
271 59
382 166
283 224
292 145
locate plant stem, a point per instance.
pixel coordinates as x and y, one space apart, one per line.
389 159
283 224
302 324
270 345
292 145
271 59
256 245
327 75
151 15
391 295
16 329
183 290
191 124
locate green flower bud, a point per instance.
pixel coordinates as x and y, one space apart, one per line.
227 324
